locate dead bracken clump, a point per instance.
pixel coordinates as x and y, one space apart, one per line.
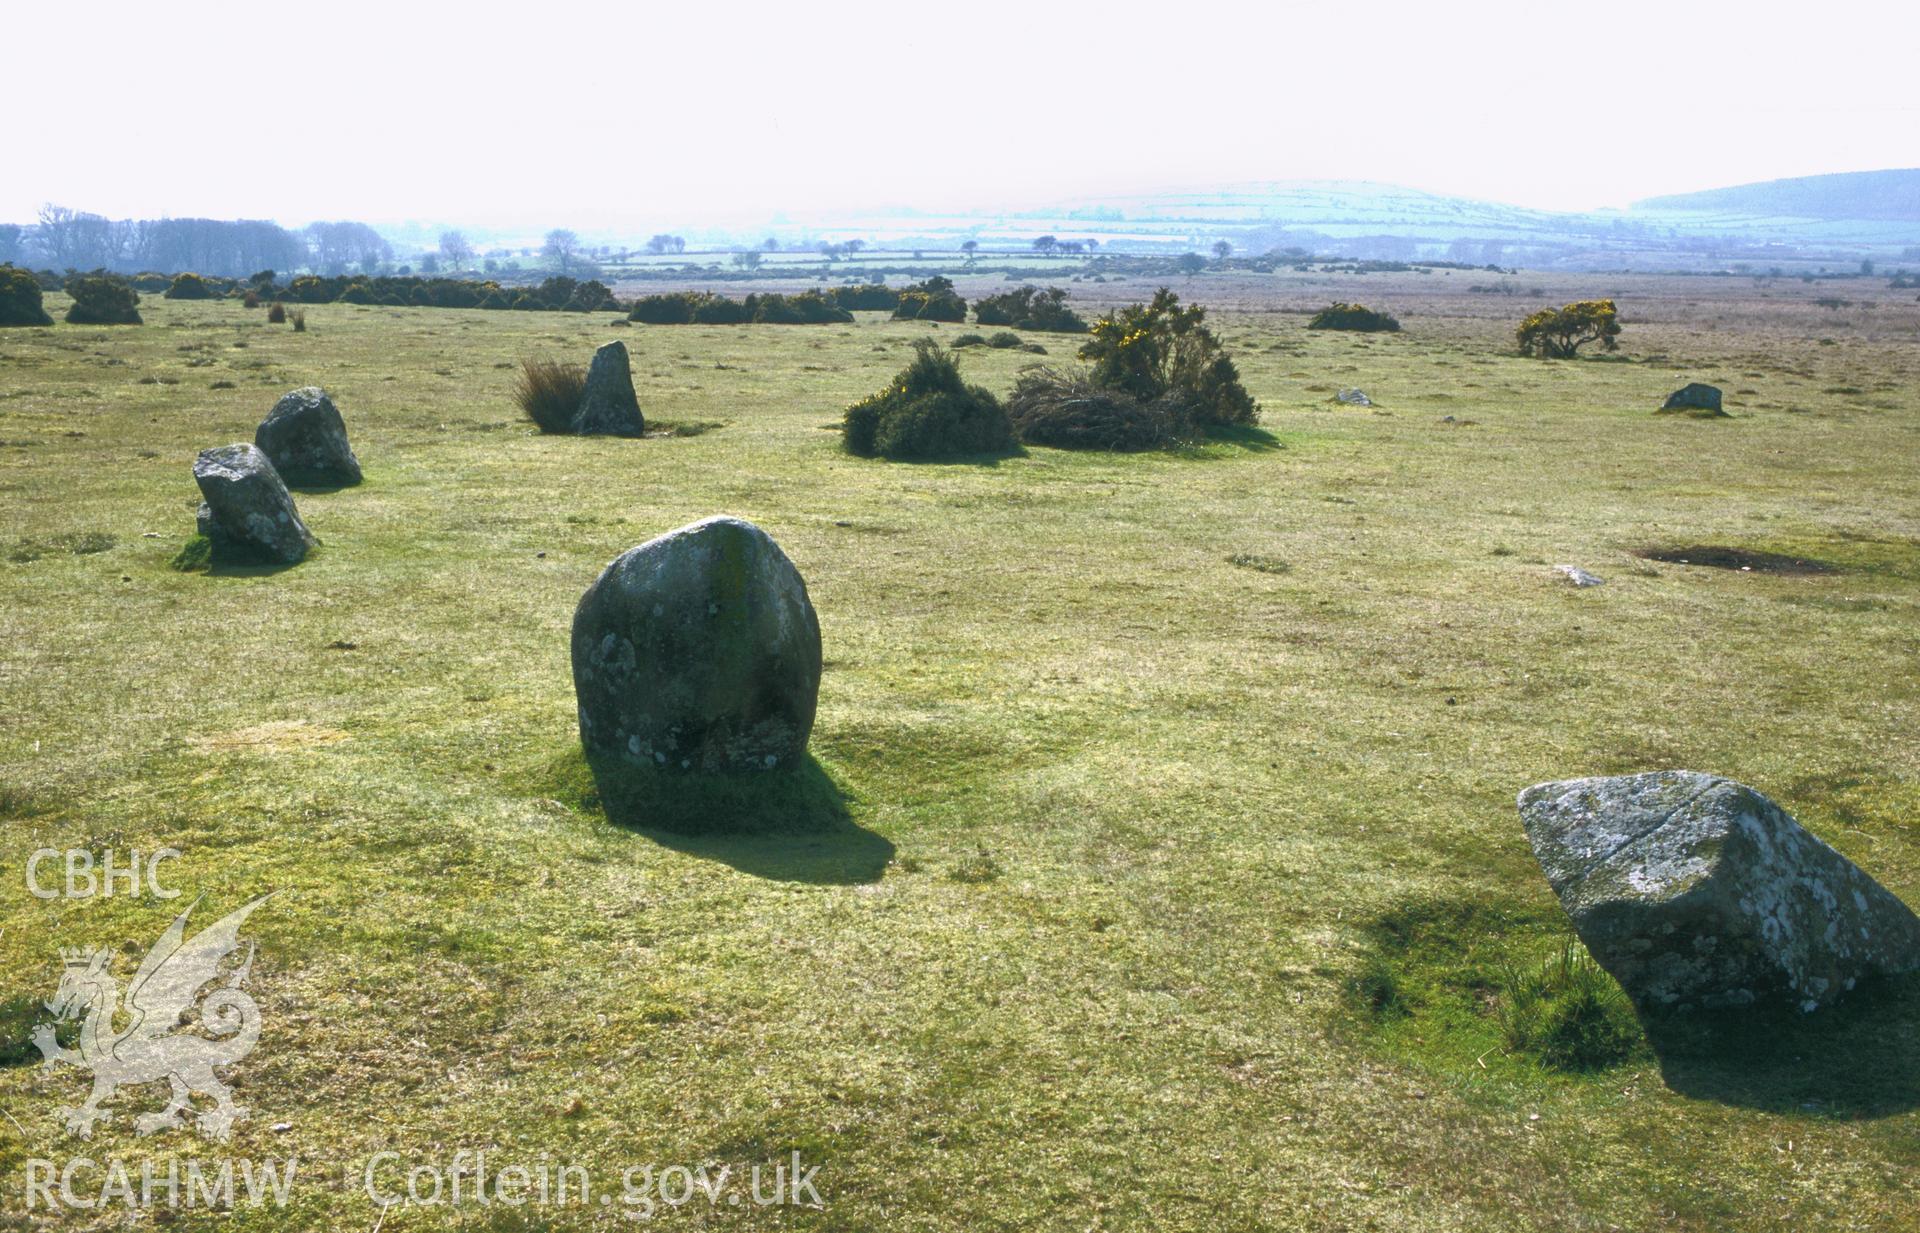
549 391
1066 410
1717 556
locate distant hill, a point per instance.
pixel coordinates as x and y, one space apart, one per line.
1875 196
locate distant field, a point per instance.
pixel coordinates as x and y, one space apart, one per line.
1146 759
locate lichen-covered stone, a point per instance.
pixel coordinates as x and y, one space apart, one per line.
1352 398
608 406
246 505
306 440
699 650
1696 891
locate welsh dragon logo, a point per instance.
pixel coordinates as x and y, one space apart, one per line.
149 1048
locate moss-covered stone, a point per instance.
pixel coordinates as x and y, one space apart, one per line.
698 651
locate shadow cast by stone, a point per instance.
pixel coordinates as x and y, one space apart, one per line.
225 559
249 567
1853 1060
785 825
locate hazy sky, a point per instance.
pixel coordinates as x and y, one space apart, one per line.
644 115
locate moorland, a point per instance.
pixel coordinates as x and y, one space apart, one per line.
1160 866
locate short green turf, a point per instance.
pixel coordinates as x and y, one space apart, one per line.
1146 774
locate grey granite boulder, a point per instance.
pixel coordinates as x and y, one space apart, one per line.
306 440
247 507
1696 891
1695 398
698 650
1352 398
607 404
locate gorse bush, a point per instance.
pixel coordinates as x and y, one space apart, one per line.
549 392
870 297
102 299
1069 411
927 411
570 295
1029 308
933 300
277 313
1359 317
719 310
1004 340
21 302
1567 1012
1559 333
557 294
1160 349
703 308
968 340
806 308
673 308
188 287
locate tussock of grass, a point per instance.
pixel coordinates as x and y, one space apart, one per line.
1566 1011
548 391
19 1017
1444 980
976 868
73 543
195 556
1259 563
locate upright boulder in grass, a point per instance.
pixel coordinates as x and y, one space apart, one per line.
306 440
607 404
1696 398
698 651
247 509
1696 891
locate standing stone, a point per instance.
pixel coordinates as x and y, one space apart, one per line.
1694 890
608 406
1696 397
306 440
698 650
247 507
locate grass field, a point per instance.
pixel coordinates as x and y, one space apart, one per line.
1144 762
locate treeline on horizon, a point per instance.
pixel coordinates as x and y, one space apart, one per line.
66 239
934 299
